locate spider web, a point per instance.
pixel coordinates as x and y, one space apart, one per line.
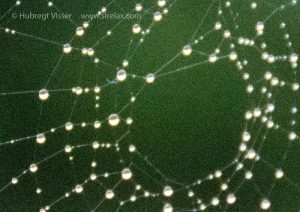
149 106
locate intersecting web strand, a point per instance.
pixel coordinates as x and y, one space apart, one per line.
133 168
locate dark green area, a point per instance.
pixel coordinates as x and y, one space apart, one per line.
188 123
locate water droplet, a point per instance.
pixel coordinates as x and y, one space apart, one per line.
265 204
126 174
67 48
161 3
43 94
113 120
231 199
279 173
136 29
79 31
138 7
150 78
109 194
121 75
187 50
33 168
157 16
40 138
168 208
78 189
168 191
69 126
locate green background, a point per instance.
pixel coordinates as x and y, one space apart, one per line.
188 123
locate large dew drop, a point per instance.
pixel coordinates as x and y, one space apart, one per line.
126 174
78 189
67 48
157 16
168 191
150 78
161 3
113 120
136 29
43 94
121 75
69 126
40 138
109 194
265 204
79 31
187 50
168 208
231 199
33 168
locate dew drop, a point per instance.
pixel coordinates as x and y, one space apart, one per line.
33 168
168 208
168 191
265 204
113 120
43 94
157 16
69 126
126 174
121 75
67 48
136 29
78 189
187 50
231 198
109 194
150 78
79 31
40 139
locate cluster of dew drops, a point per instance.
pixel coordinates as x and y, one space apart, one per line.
187 50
